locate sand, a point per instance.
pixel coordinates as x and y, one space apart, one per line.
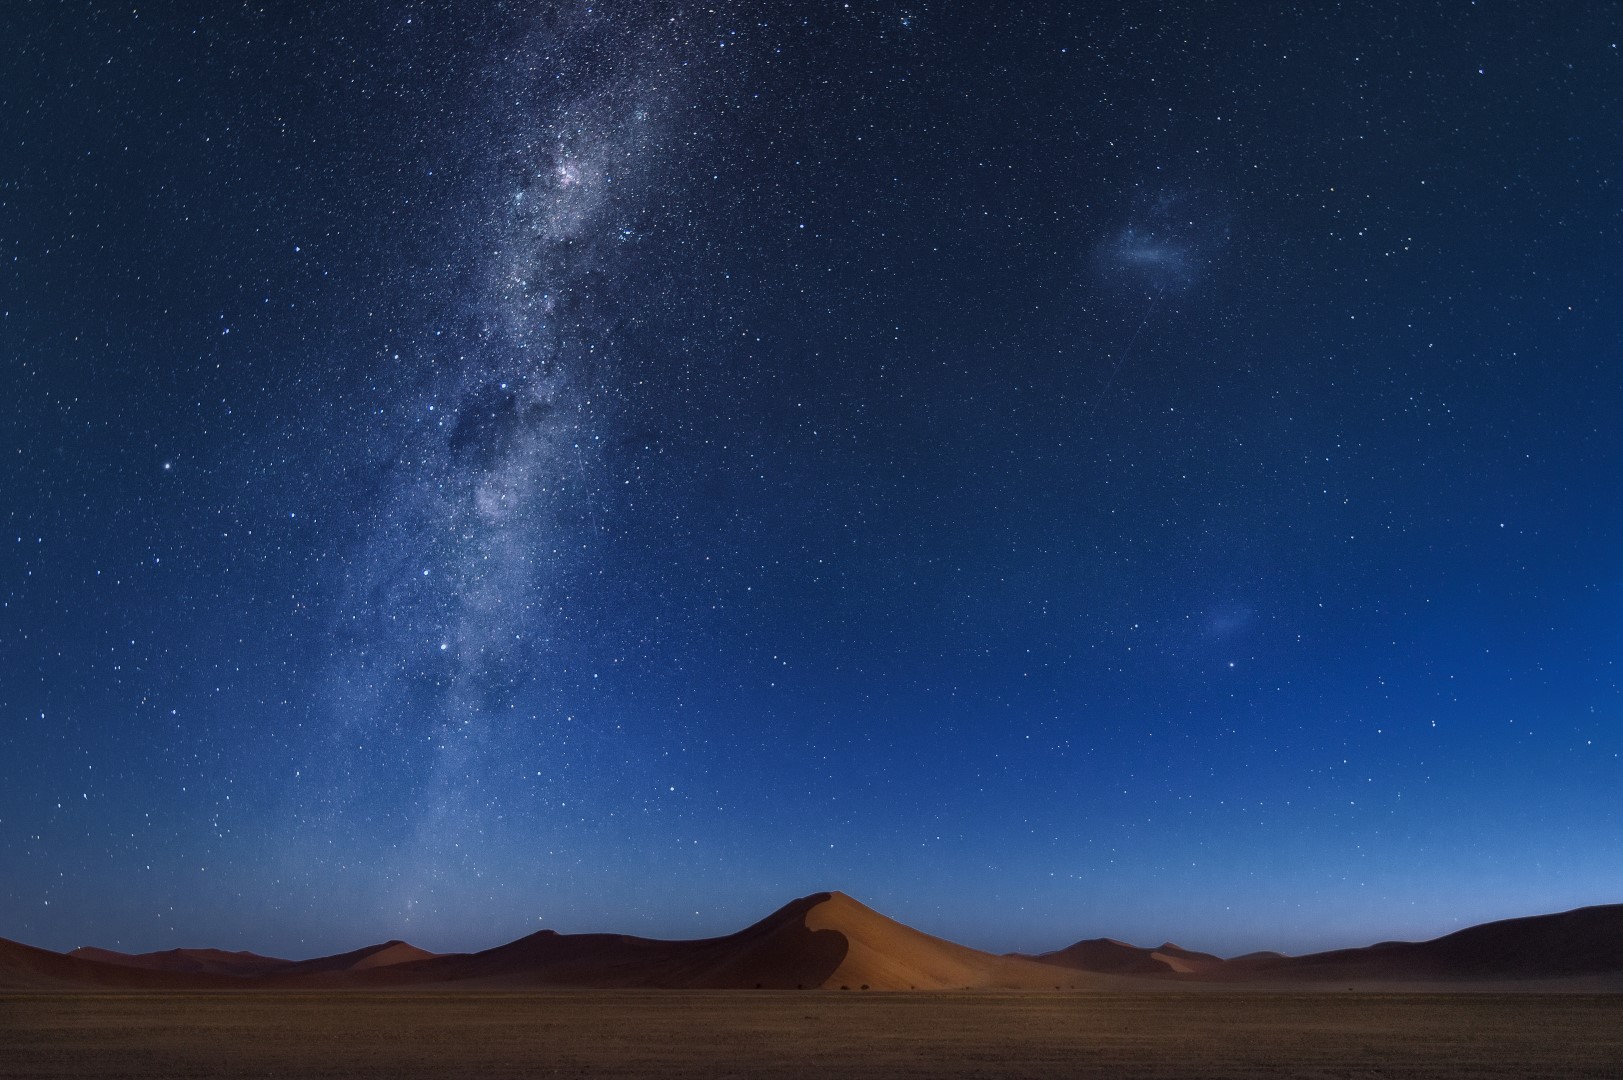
810 1034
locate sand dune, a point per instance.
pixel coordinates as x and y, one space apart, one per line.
247 965
23 967
887 955
1185 961
1107 955
778 951
188 961
828 940
387 954
823 940
1584 942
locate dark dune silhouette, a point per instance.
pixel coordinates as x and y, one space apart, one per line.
1583 942
187 961
23 967
1109 956
247 965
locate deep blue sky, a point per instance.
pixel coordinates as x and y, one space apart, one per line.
1150 471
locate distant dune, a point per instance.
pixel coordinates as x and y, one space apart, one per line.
23 967
1106 955
830 941
187 961
388 954
1586 942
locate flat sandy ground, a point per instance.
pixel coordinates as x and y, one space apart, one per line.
826 1035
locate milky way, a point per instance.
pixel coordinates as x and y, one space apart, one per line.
475 571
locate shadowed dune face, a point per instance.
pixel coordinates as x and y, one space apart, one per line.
1584 942
780 952
1108 956
23 967
247 965
188 961
786 950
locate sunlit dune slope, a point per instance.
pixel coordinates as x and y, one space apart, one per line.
887 955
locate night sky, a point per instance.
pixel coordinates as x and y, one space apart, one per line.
1047 471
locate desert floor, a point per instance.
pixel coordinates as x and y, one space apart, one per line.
818 1034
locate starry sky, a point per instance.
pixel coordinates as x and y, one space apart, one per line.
1049 471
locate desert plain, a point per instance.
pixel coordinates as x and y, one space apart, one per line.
809 1034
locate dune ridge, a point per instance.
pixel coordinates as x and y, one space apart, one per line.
24 967
1107 955
825 940
186 961
830 941
1584 942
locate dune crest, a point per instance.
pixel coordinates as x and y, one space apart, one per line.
187 961
387 954
825 940
1109 956
883 954
1582 943
24 967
